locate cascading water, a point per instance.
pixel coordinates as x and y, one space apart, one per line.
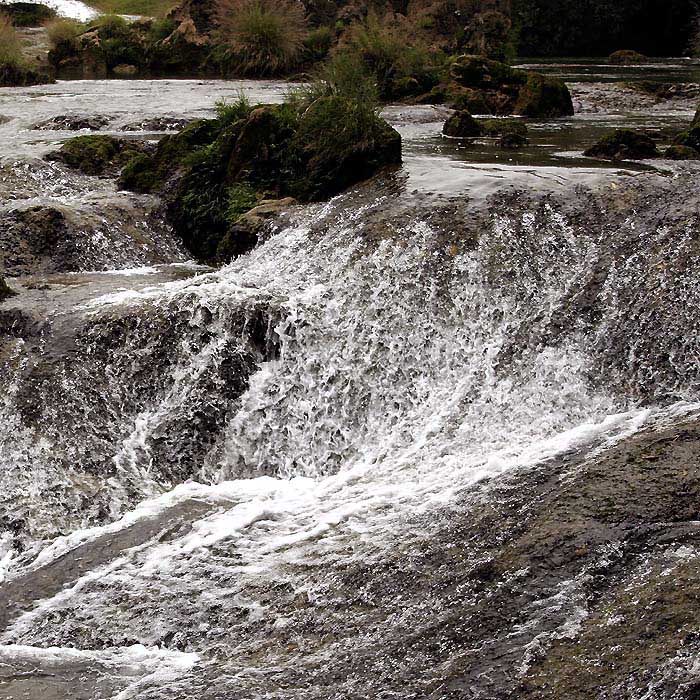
309 474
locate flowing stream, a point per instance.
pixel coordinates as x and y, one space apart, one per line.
253 482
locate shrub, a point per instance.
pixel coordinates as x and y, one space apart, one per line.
264 36
161 29
401 68
231 112
10 49
317 44
29 14
63 32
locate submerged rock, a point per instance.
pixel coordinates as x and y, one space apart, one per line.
624 144
496 88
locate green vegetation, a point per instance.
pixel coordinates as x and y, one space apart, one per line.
230 112
96 154
63 31
28 14
10 48
264 37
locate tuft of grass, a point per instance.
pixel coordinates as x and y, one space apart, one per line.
231 112
63 31
10 47
318 44
265 36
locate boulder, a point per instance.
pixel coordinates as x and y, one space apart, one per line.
125 70
513 141
28 14
98 154
496 88
624 144
626 57
503 127
689 138
462 124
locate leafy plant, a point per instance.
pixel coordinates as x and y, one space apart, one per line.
264 36
231 112
63 31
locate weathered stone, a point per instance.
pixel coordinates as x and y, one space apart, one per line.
681 153
626 57
462 124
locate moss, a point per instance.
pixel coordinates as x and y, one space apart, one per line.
462 124
513 140
478 72
624 144
501 127
5 291
139 174
681 153
96 154
543 97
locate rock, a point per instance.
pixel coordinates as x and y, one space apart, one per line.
125 70
97 155
502 90
625 57
158 124
544 97
502 127
681 153
513 140
462 124
5 291
71 122
30 238
624 144
245 232
689 138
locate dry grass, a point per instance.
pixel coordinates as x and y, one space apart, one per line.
264 36
10 47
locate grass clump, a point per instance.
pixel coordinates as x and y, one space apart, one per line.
63 32
10 47
231 112
265 37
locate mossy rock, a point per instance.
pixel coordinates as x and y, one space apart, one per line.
139 174
462 124
689 138
544 97
478 72
501 127
681 153
28 14
96 154
5 291
624 144
472 100
626 57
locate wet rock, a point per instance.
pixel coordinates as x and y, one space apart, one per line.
462 124
513 140
681 153
667 91
245 232
5 290
506 90
97 155
503 127
624 144
626 57
74 122
158 124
